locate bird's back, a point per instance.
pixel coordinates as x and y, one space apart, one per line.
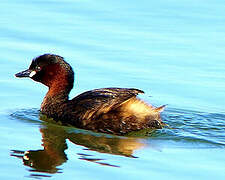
114 110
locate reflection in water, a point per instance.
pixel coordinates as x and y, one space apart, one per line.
186 128
54 142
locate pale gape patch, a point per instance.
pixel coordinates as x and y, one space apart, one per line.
32 74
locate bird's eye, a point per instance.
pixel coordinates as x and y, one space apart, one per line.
38 68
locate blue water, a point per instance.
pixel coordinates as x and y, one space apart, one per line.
173 50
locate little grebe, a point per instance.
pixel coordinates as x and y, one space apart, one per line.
108 110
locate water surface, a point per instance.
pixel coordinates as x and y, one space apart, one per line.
172 50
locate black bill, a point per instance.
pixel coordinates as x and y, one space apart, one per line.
25 73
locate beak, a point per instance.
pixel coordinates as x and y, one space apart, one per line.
26 73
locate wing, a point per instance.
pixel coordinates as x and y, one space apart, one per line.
89 105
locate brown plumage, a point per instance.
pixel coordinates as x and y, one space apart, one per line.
108 110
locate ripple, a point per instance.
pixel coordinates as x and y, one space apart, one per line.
184 126
194 127
27 115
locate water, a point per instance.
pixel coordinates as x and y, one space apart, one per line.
172 50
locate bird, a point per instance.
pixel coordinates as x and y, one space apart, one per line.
110 110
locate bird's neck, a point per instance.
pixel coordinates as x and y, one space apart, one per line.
57 95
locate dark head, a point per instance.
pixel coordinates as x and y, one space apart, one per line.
52 71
